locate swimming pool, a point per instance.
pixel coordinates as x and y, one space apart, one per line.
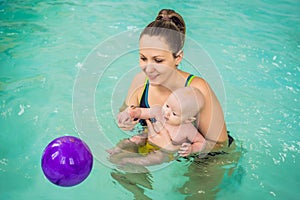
255 47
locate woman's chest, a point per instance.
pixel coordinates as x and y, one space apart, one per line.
157 95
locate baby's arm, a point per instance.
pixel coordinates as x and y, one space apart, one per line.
140 113
145 113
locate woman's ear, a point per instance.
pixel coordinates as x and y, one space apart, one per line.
178 57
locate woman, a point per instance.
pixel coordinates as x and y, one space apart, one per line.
161 44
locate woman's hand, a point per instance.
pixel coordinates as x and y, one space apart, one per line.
185 149
134 112
151 129
125 121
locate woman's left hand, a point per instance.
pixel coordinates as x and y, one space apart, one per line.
185 149
125 122
151 128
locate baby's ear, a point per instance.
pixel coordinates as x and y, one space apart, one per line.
190 120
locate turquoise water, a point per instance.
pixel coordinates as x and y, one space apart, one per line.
254 46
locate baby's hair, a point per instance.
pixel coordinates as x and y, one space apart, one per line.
190 98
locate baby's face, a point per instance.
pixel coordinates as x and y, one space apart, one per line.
172 111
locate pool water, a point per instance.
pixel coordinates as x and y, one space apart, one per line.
253 50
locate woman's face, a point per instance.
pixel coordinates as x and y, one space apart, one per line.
156 59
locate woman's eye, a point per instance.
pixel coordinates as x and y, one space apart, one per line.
143 58
158 60
167 105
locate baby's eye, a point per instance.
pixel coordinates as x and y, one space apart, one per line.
167 105
174 114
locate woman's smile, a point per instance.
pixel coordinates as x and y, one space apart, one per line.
152 76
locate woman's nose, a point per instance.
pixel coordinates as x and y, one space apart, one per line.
149 68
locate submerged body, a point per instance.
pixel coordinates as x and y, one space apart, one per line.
172 128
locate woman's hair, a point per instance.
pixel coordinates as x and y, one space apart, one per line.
172 16
169 25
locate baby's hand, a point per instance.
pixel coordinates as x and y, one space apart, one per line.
185 149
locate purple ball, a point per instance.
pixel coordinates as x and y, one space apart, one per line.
67 161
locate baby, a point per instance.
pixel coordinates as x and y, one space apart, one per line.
169 127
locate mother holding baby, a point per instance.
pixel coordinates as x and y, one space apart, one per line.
161 51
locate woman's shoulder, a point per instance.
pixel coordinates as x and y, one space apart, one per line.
139 78
198 80
136 89
200 84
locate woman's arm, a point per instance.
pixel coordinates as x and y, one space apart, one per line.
210 120
125 122
135 90
196 141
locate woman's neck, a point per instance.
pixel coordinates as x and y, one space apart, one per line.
159 93
175 81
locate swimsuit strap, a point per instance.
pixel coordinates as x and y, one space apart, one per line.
189 80
144 100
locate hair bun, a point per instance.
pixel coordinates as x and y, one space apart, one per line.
166 18
172 17
163 15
